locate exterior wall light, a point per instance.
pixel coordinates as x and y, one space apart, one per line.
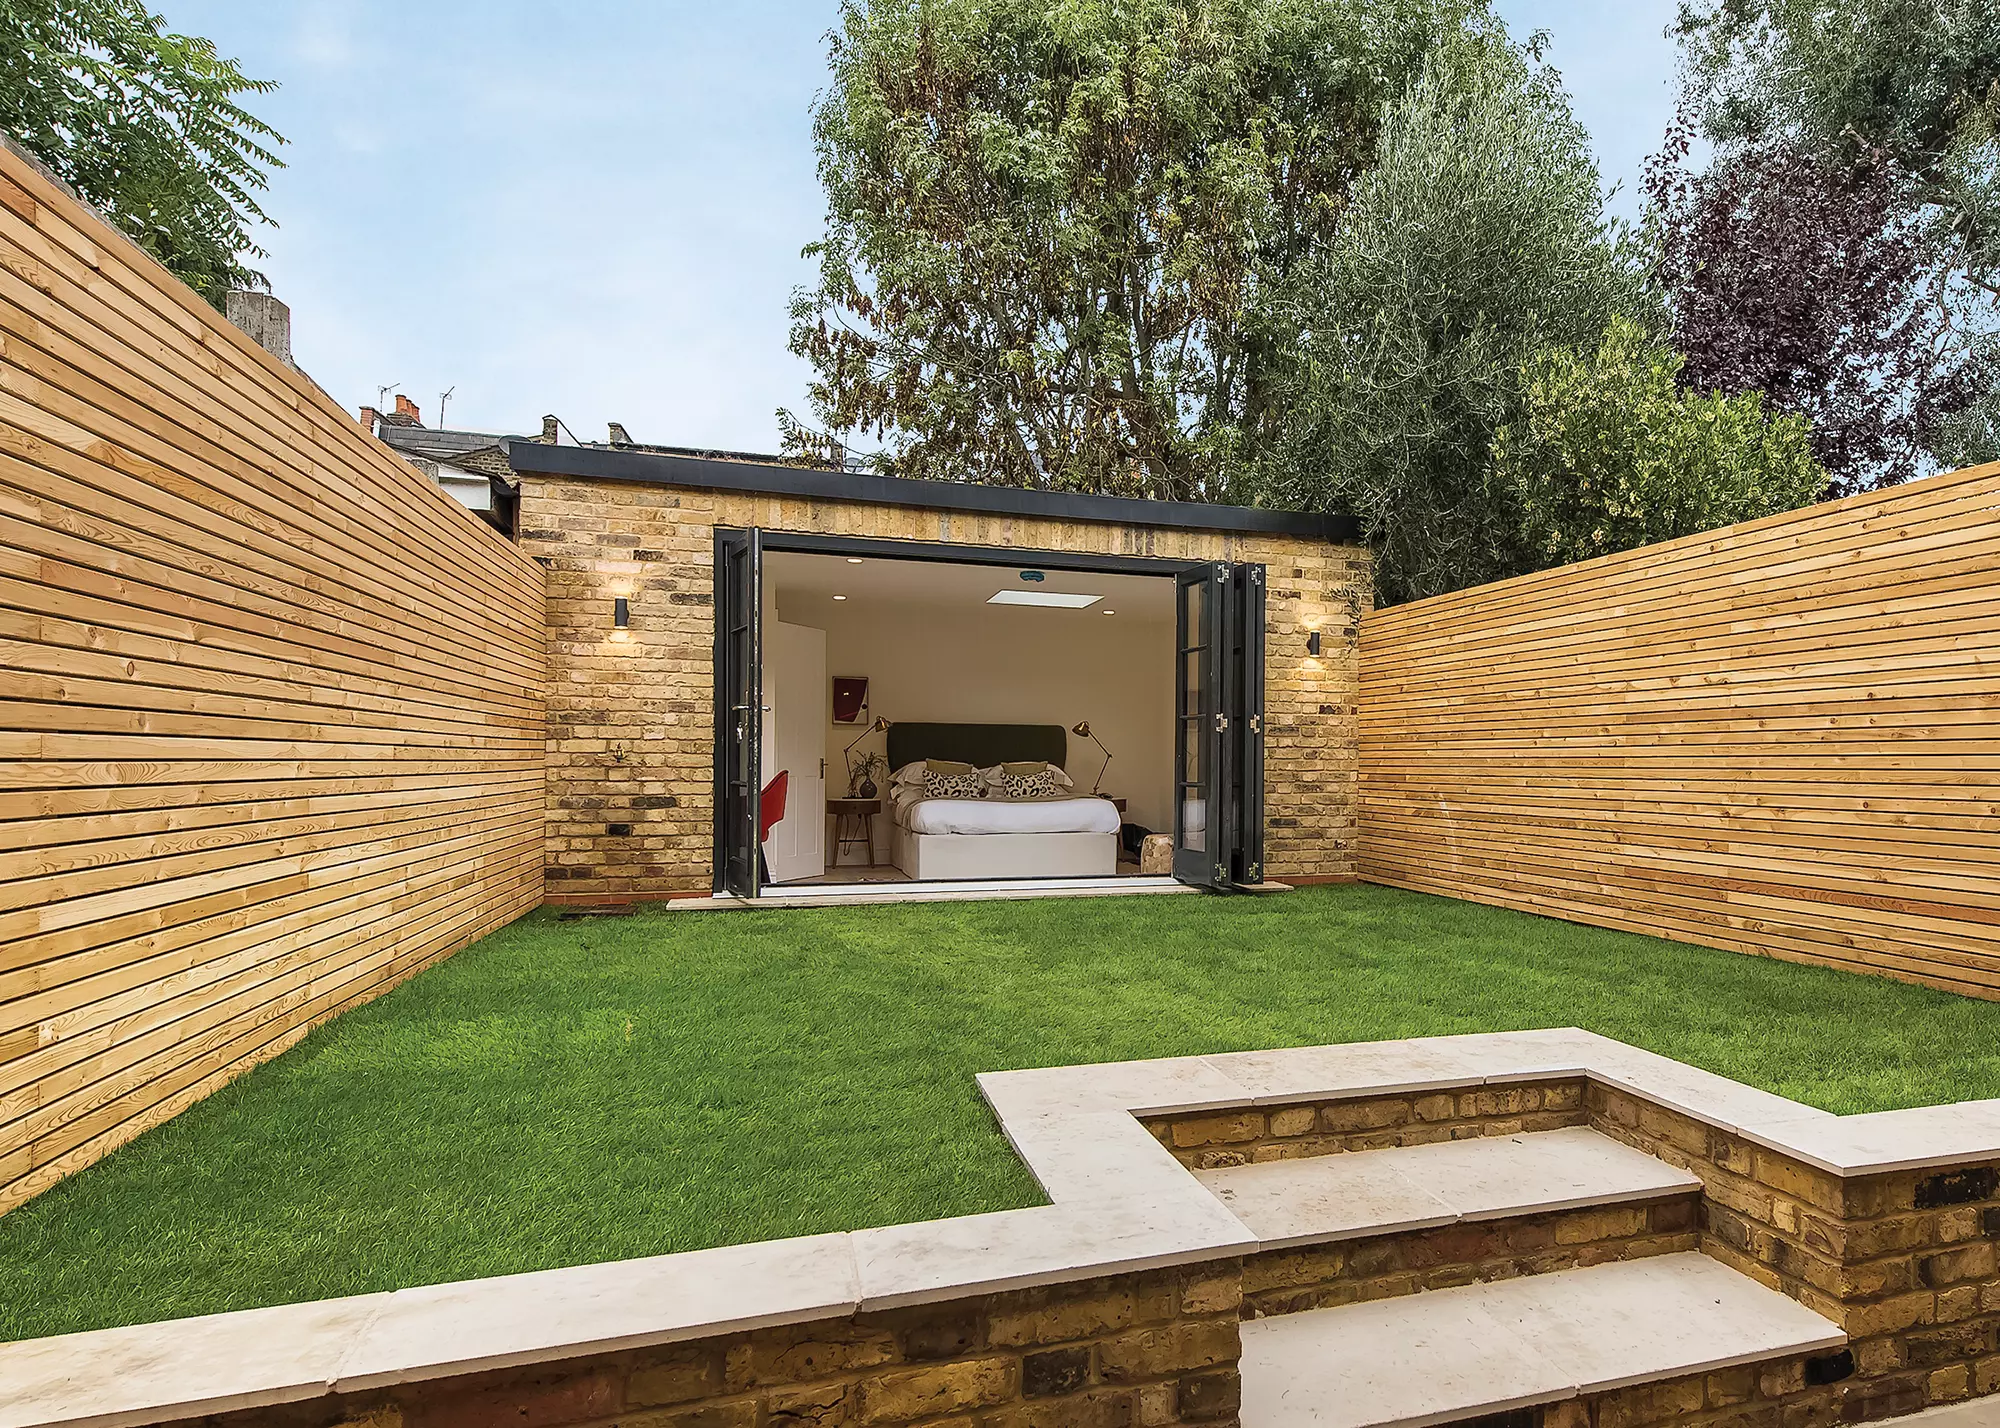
1312 644
621 614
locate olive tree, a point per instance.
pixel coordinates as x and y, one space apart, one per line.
1477 240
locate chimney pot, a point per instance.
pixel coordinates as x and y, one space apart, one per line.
407 408
370 419
263 319
550 426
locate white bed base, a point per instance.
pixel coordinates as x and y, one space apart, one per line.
928 857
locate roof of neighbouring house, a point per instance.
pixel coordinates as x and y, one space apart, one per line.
730 471
439 443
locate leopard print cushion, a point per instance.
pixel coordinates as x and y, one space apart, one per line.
1041 784
953 785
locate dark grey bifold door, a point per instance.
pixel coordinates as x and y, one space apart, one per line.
1203 817
1246 720
739 699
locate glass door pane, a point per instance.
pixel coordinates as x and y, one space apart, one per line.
1202 812
1246 671
739 697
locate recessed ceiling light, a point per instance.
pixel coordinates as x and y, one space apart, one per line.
840 597
854 560
1110 612
1053 598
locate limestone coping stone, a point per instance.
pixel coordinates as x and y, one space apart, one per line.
1119 1204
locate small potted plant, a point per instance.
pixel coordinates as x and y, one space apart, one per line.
862 783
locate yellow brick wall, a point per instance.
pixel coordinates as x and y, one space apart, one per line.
631 713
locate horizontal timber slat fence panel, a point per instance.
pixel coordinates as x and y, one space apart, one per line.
271 704
1780 738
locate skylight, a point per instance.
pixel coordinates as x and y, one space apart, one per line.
1053 598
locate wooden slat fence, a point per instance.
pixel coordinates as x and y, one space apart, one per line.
1780 738
271 705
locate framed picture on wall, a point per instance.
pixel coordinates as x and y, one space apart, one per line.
850 699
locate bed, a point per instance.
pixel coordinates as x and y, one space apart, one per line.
1074 836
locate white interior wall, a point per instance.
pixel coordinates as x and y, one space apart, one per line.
949 663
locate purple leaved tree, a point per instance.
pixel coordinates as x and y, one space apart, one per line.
1810 281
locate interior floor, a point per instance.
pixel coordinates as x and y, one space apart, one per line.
888 873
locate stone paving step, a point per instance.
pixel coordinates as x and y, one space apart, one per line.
1492 1348
1321 1198
1973 1413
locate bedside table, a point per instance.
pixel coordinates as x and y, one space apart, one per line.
854 822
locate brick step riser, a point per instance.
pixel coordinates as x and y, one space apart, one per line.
1288 1281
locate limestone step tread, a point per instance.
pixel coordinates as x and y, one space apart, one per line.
1491 1348
1321 1198
1973 1413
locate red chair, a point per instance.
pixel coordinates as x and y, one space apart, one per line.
770 813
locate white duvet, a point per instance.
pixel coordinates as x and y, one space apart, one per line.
1078 813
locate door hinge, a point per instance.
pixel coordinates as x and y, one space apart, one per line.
1221 873
1256 723
1254 873
1222 723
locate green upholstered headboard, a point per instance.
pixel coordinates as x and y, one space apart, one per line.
982 745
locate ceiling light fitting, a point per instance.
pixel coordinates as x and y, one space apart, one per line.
1052 599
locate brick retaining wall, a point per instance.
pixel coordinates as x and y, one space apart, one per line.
1137 1351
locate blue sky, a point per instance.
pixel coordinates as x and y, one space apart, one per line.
596 209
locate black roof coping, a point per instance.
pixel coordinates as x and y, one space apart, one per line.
702 473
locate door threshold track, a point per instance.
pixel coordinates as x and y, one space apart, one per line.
871 894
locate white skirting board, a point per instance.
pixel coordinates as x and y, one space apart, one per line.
928 857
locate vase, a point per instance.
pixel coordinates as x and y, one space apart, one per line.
867 789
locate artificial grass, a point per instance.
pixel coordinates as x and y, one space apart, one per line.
569 1092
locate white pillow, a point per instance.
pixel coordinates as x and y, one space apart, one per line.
909 773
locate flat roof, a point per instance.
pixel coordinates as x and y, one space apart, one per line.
705 473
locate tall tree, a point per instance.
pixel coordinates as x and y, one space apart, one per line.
1478 240
145 124
1055 228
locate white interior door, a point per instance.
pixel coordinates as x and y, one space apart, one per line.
795 688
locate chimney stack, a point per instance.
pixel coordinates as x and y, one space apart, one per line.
550 426
263 319
407 408
370 420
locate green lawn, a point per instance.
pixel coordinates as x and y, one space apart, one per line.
567 1092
